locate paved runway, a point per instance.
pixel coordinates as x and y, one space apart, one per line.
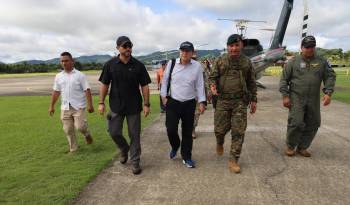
268 177
42 85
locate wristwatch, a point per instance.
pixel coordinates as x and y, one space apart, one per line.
147 104
328 93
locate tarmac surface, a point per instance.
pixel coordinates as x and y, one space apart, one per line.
268 176
42 85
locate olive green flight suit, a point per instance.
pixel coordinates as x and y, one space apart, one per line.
301 81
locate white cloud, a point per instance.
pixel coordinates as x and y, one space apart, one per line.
35 29
330 20
227 7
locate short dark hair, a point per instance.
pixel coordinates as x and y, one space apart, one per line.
67 54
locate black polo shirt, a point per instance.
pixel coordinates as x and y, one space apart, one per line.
125 80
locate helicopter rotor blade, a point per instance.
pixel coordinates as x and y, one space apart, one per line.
224 19
267 29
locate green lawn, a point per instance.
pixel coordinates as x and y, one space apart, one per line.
342 89
35 167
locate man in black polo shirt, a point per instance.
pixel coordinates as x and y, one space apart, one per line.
126 75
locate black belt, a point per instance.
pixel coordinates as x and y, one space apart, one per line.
187 101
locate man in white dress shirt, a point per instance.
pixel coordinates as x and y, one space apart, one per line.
74 89
181 86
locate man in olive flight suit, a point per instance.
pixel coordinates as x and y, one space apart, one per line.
233 81
300 87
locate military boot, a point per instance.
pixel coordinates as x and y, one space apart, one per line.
136 169
219 149
289 152
304 153
234 167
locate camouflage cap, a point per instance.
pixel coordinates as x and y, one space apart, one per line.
308 42
234 38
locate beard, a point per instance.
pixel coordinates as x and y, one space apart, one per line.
126 53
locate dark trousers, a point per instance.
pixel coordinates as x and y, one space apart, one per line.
115 128
176 110
214 100
162 107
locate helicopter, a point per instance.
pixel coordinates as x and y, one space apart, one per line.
260 58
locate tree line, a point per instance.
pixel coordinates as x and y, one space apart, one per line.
45 68
335 56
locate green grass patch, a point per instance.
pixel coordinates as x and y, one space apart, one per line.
342 89
27 75
273 71
277 71
35 166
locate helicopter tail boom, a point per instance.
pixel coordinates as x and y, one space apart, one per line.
282 24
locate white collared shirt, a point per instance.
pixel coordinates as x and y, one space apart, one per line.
72 87
186 81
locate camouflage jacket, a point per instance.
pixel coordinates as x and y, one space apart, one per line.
206 74
234 76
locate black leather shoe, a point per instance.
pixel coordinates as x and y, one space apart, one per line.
123 158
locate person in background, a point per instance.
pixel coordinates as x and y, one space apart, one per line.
160 73
206 87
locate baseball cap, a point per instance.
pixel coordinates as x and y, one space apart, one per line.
122 40
188 46
308 42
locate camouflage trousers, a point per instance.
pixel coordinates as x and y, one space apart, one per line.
231 115
196 117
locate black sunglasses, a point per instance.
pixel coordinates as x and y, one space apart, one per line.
127 45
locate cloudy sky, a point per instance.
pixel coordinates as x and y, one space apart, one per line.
37 29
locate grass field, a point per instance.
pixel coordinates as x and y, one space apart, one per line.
342 89
342 86
35 167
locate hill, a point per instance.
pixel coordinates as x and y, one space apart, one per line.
147 59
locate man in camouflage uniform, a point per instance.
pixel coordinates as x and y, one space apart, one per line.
300 87
208 69
206 72
233 80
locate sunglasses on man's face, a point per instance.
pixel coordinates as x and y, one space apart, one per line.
127 45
